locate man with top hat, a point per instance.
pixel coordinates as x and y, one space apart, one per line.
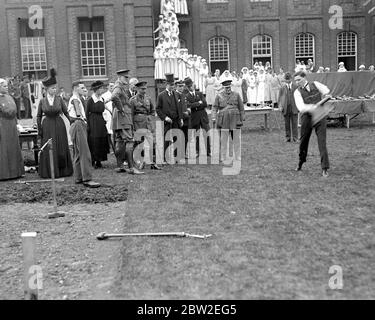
186 113
144 121
122 125
229 114
289 109
167 108
197 104
307 96
82 164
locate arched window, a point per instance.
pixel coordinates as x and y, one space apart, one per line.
347 50
219 53
304 46
262 49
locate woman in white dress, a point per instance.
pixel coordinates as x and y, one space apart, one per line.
252 89
158 63
198 78
237 84
167 61
159 29
210 90
217 84
174 64
298 66
268 66
261 87
203 74
190 66
275 89
267 87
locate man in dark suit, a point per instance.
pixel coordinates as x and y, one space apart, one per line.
196 102
180 88
289 109
168 109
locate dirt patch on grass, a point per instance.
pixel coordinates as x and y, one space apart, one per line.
72 194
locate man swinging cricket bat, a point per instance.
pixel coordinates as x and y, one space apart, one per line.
310 98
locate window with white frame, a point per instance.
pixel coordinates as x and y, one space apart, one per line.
33 52
262 49
33 49
92 46
304 45
219 53
347 50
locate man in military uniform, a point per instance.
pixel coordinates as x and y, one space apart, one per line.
144 121
229 114
122 125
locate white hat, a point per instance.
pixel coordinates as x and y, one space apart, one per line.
362 66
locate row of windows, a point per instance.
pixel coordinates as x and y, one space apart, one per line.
304 46
93 49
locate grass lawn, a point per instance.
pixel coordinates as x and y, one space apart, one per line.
276 233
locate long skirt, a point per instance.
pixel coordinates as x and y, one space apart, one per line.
54 127
11 160
98 137
252 94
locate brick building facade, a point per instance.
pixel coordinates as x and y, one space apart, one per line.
91 39
291 28
82 39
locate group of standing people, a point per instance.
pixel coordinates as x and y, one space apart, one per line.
169 57
24 93
87 132
256 87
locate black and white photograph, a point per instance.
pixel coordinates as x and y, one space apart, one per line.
197 152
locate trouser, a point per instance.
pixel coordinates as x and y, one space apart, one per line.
185 130
168 141
18 105
291 126
81 153
224 142
206 128
321 132
124 146
27 105
142 136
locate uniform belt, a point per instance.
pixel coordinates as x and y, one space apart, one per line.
136 113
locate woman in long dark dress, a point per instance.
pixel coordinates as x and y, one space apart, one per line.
51 125
11 160
96 125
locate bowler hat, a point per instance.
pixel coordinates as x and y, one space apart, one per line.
169 78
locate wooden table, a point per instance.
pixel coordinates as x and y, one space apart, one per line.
266 111
33 137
